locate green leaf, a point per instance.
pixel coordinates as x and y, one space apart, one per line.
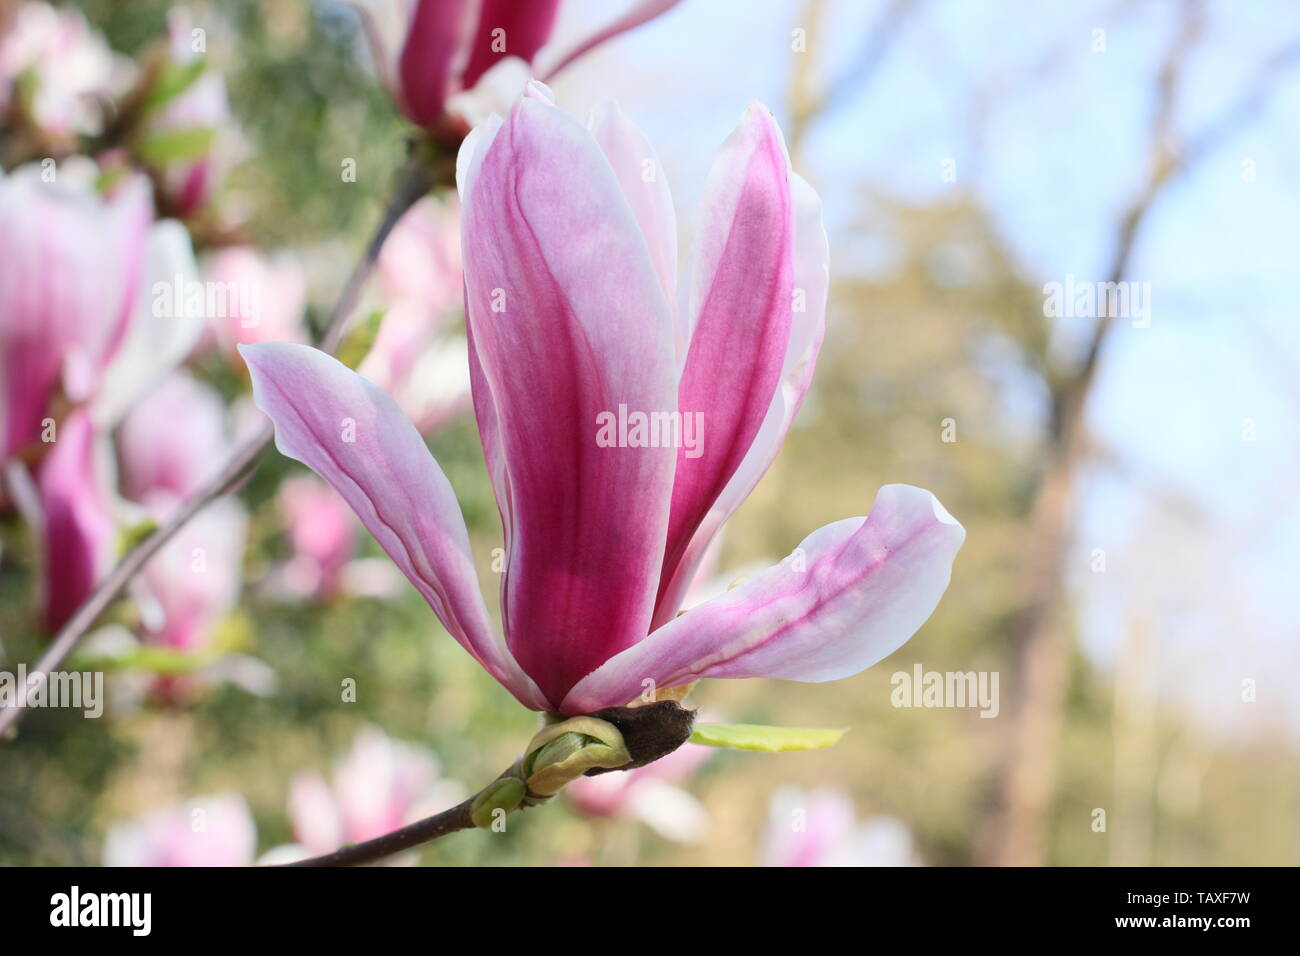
173 80
175 145
163 661
767 739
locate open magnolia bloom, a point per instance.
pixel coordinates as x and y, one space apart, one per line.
622 423
439 56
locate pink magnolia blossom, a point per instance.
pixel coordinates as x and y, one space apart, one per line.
194 580
322 530
570 283
74 485
215 830
160 459
414 357
821 829
254 297
71 265
203 106
79 341
378 786
65 65
448 47
420 261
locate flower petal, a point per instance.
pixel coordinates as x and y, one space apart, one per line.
432 54
508 28
156 341
812 277
850 595
644 185
70 266
567 321
77 517
353 435
740 317
639 13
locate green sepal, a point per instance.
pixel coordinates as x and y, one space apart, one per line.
564 751
505 794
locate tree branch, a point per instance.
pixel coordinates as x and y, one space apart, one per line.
1015 831
417 178
408 837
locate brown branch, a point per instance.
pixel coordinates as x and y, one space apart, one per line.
417 178
407 838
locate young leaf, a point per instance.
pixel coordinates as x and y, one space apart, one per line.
768 739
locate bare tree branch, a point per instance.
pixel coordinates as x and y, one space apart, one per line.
1015 832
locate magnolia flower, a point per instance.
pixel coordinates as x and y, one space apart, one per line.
322 531
413 357
649 794
54 67
570 284
193 582
379 785
200 112
71 265
820 829
446 48
79 342
420 261
160 460
74 484
215 830
251 297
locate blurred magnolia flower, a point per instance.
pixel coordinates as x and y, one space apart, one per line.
413 357
193 582
77 527
190 136
470 57
570 277
55 69
649 794
215 830
420 261
820 829
427 373
252 297
79 342
160 459
322 531
71 265
376 787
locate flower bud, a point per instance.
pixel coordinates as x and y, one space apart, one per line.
565 751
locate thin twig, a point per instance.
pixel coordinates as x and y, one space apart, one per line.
408 837
417 178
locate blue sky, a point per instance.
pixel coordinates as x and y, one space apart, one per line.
1057 155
